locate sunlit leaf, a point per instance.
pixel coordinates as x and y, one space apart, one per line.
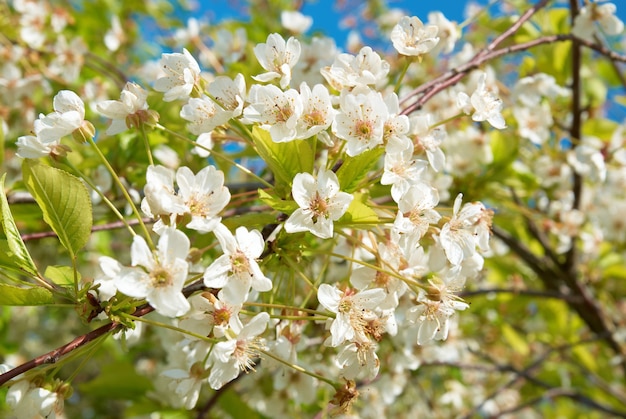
18 256
61 275
355 169
15 296
65 203
285 160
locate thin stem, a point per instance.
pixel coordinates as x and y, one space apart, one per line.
302 370
146 144
119 183
220 155
407 63
286 307
168 326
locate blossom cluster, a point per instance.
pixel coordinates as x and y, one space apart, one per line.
334 265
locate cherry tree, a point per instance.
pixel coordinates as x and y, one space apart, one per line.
251 220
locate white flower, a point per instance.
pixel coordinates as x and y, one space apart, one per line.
436 305
358 361
534 123
204 195
115 36
229 93
448 31
429 140
603 14
396 126
361 120
237 270
125 112
111 269
68 117
487 106
182 74
29 401
237 354
203 115
320 201
278 112
366 68
295 21
158 277
278 58
416 210
352 310
401 170
160 196
209 313
467 229
317 111
32 147
411 37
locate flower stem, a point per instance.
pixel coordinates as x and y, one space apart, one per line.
124 192
147 144
302 370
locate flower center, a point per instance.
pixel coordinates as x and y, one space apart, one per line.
160 277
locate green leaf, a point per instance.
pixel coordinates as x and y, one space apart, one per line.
514 339
65 203
504 148
583 356
359 212
61 275
11 295
285 160
600 127
1 145
118 381
18 256
232 404
286 206
355 169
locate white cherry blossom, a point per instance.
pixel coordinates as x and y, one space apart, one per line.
416 210
201 196
68 117
204 115
229 93
126 112
295 21
237 354
486 105
411 37
278 58
158 277
353 310
367 68
278 112
601 13
361 120
182 73
237 270
321 202
317 111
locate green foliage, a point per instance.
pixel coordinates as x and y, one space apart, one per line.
13 251
15 296
354 170
65 202
285 160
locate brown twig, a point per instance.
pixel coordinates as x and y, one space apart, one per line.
56 354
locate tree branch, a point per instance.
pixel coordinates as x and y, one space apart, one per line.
56 354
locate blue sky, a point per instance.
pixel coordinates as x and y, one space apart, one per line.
327 18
